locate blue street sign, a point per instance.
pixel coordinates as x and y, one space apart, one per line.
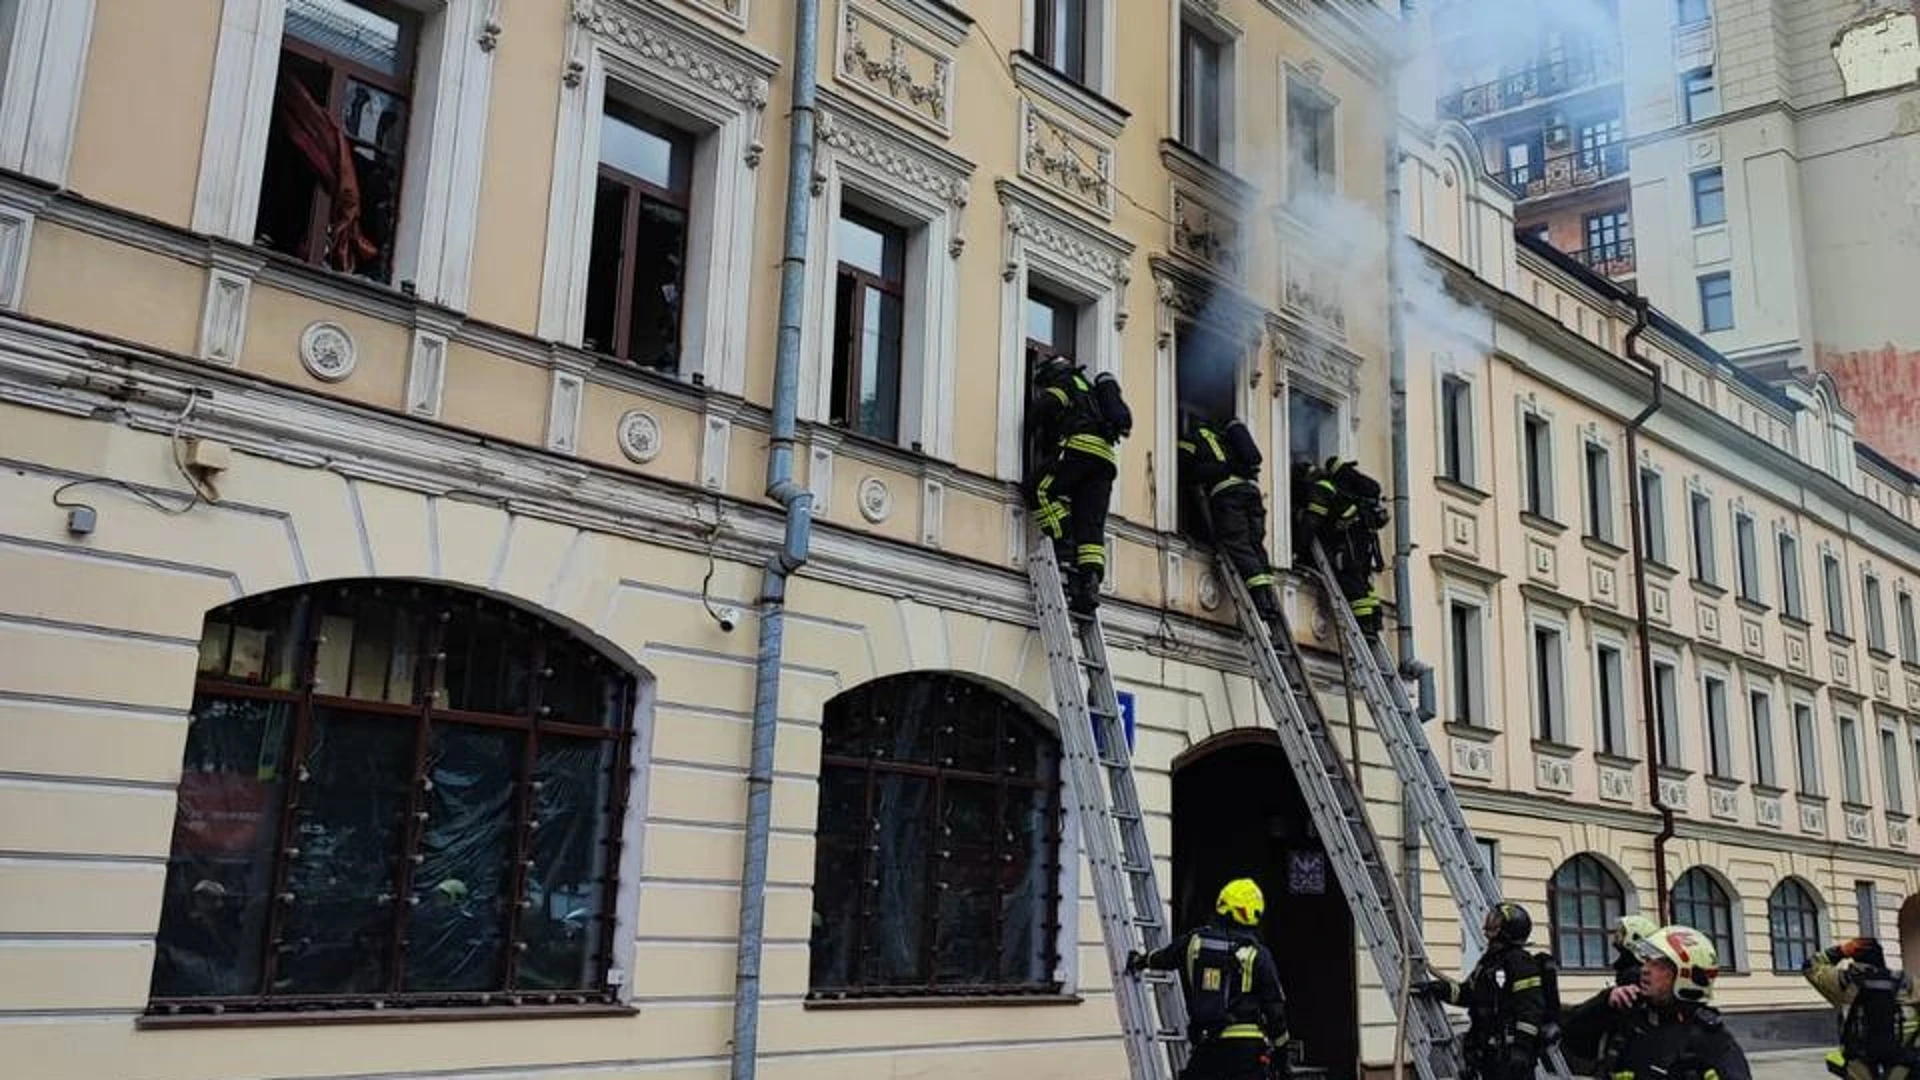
1126 722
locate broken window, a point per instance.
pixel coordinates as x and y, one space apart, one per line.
330 192
636 272
937 860
392 795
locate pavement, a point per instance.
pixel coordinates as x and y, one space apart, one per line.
1789 1064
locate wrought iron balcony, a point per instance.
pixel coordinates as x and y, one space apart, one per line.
1538 83
1612 260
1568 171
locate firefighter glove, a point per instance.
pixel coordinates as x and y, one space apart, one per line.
1433 989
1136 962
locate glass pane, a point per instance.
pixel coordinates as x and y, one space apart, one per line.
489 665
462 886
1028 857
565 923
640 152
864 246
256 643
226 829
348 30
847 290
349 826
971 727
603 265
896 947
658 278
880 366
841 849
1040 315
968 905
582 688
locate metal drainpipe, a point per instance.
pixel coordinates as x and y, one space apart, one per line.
1648 708
1402 523
797 503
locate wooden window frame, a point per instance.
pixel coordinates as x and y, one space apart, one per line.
1045 48
638 191
847 337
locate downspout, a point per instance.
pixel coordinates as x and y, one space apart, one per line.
1648 709
797 503
1402 523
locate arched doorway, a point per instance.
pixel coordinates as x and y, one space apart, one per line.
1237 812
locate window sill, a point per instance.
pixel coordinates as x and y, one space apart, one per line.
1910 667
1600 545
307 1018
1724 783
1855 807
1675 772
1618 761
1191 165
1812 798
1460 489
1707 588
1660 570
1751 606
1837 638
1768 790
1554 748
1797 622
943 1001
1479 733
1881 654
1541 523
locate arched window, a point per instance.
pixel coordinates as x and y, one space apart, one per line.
937 866
1793 924
1700 902
1584 900
393 794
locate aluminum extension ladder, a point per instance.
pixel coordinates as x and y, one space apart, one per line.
1352 846
1421 775
1099 771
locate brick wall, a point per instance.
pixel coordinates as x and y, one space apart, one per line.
1882 387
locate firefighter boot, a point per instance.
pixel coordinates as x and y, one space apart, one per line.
1083 591
1266 604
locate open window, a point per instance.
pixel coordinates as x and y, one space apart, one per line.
1051 323
636 269
1206 377
869 297
336 148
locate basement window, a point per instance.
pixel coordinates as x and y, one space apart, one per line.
330 192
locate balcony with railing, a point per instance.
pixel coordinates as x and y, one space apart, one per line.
1571 170
1612 260
1544 81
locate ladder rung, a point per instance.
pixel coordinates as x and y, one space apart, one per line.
1168 1037
1124 815
1113 763
1136 869
1146 922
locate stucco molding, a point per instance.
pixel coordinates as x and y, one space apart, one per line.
563 411
440 195
17 217
46 70
885 56
659 60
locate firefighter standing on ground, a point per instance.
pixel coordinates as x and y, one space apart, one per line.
1510 1000
1221 464
1880 1039
1236 1013
1340 506
1663 1028
1076 422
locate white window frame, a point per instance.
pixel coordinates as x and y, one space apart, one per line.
1749 581
1893 786
1653 514
1295 80
1549 503
1600 527
1833 590
1099 43
1475 663
1807 777
1469 470
1702 548
895 175
1793 578
446 138
1760 691
46 70
1319 382
1623 746
1720 766
1213 23
1853 767
1873 599
1075 261
1673 731
1556 730
697 80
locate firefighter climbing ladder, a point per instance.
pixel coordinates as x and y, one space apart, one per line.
1421 774
1153 1016
1352 846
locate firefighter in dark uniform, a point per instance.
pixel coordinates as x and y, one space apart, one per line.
1663 1028
1510 1000
1076 423
1340 506
1221 464
1880 1038
1236 1013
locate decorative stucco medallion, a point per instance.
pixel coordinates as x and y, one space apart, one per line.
327 351
876 502
639 436
1209 590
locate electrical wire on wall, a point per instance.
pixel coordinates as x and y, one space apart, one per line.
724 616
202 491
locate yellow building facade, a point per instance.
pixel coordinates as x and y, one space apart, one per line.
385 394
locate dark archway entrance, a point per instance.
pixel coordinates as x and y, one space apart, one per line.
1237 812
